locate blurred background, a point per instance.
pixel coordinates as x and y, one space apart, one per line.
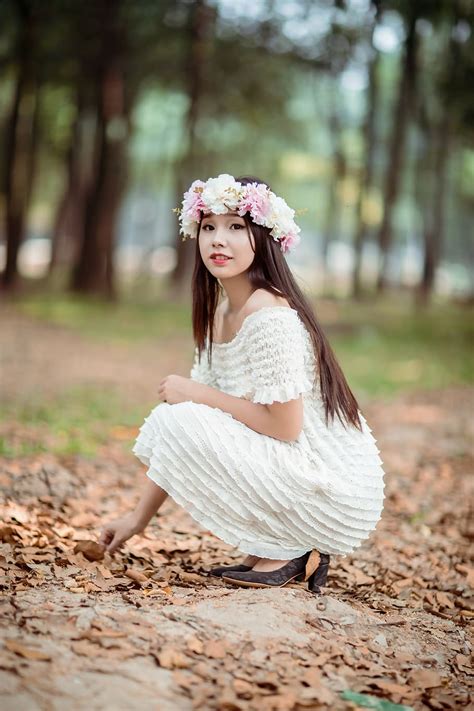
360 113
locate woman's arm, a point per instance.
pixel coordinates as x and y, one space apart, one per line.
153 496
282 420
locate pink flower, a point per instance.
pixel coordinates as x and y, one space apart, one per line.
288 242
192 202
255 200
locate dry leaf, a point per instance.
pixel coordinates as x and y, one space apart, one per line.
23 651
90 550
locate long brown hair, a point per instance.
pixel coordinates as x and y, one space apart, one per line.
270 271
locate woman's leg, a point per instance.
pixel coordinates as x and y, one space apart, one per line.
267 565
251 560
151 500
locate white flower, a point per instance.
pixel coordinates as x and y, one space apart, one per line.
221 194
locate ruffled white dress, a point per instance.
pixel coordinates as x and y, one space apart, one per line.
267 497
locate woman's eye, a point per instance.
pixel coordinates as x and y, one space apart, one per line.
234 224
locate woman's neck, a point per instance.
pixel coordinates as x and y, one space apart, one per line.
236 296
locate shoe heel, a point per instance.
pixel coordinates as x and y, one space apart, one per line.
320 576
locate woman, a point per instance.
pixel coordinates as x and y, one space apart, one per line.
264 445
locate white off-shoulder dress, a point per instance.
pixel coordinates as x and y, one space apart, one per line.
267 497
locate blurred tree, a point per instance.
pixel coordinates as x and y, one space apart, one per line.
74 72
442 104
173 45
21 135
68 227
332 218
122 45
199 29
94 271
369 138
410 12
336 129
232 72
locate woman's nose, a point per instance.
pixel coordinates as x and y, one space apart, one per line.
218 237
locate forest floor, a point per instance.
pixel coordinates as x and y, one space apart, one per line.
148 629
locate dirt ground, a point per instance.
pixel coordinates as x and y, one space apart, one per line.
147 629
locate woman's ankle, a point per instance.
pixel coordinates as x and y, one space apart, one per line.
251 560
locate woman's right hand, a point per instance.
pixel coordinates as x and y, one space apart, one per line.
114 534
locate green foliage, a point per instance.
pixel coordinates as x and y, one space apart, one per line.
107 322
391 347
77 421
373 702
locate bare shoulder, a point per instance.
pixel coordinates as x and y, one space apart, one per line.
262 297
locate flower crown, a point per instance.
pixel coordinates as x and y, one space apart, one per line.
224 193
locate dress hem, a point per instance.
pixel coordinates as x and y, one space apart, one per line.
247 547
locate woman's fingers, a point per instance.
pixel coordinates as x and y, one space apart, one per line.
113 535
104 537
116 543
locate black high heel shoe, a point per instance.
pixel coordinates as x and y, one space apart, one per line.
311 567
217 572
319 577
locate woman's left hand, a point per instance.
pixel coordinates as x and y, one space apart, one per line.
176 388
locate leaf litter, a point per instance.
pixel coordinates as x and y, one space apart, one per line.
147 628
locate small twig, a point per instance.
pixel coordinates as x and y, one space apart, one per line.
347 624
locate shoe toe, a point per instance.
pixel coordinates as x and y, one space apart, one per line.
228 569
235 575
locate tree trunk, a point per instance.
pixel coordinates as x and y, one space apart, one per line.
333 212
20 147
94 272
69 222
202 20
367 176
441 138
397 147
434 222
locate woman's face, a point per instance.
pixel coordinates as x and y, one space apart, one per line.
227 235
